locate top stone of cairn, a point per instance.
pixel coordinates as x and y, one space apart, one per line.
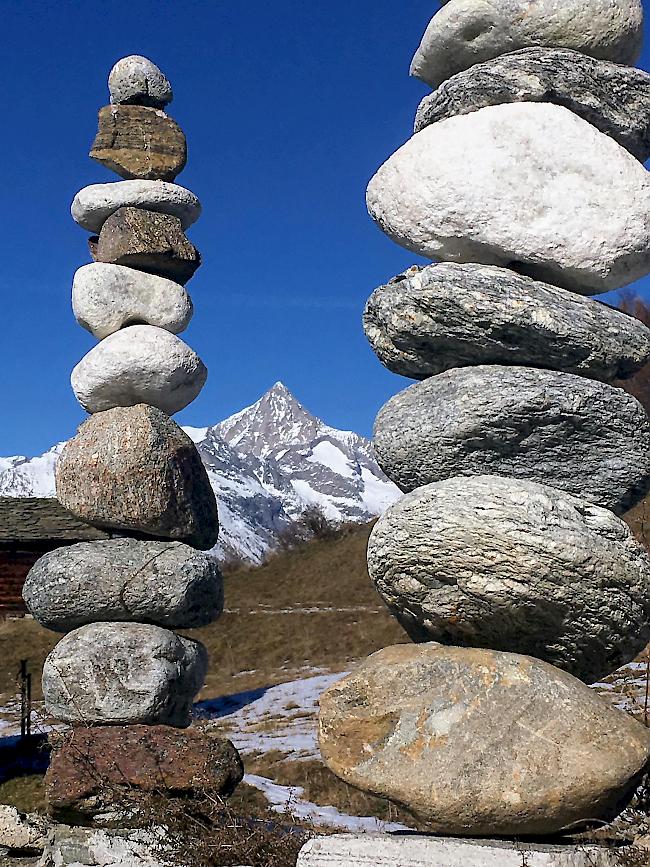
466 32
135 80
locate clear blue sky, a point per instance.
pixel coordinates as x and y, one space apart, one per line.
289 107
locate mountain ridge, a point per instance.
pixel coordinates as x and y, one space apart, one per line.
267 463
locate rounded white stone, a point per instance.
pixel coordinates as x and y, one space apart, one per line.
93 205
466 32
136 80
139 364
527 186
107 297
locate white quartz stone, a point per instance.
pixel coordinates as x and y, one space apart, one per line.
93 205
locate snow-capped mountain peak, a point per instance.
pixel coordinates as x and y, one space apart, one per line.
267 464
277 419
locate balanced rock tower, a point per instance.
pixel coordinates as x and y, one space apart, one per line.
121 677
506 560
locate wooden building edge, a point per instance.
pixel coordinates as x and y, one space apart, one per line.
29 527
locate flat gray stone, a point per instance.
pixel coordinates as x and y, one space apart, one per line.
514 566
92 206
139 364
466 32
525 185
431 319
134 469
124 674
613 98
581 436
90 847
108 297
479 743
135 80
165 583
415 850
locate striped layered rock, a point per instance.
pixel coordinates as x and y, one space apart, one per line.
613 98
511 565
578 435
431 319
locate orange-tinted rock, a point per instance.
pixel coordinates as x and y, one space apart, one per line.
138 142
101 773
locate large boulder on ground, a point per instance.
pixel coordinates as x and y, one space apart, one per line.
139 142
466 32
581 436
139 364
108 297
136 80
527 186
134 469
151 242
123 673
510 565
166 583
93 205
613 98
479 743
103 773
431 319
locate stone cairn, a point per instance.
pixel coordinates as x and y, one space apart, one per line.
505 560
121 677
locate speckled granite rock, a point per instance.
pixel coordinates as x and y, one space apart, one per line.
613 98
512 565
133 468
123 673
166 583
525 185
431 319
481 743
466 32
139 142
578 435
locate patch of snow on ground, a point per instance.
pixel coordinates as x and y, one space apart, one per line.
285 799
279 718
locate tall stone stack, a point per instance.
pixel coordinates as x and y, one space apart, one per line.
121 677
506 560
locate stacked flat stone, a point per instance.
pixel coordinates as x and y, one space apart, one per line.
506 560
133 471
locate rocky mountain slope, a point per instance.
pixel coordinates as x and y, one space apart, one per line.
267 464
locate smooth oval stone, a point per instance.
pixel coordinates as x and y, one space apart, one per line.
527 186
431 319
139 364
578 435
108 297
136 80
93 205
512 565
134 469
150 242
165 583
139 142
123 673
479 743
466 32
613 98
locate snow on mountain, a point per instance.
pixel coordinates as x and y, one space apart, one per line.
267 464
